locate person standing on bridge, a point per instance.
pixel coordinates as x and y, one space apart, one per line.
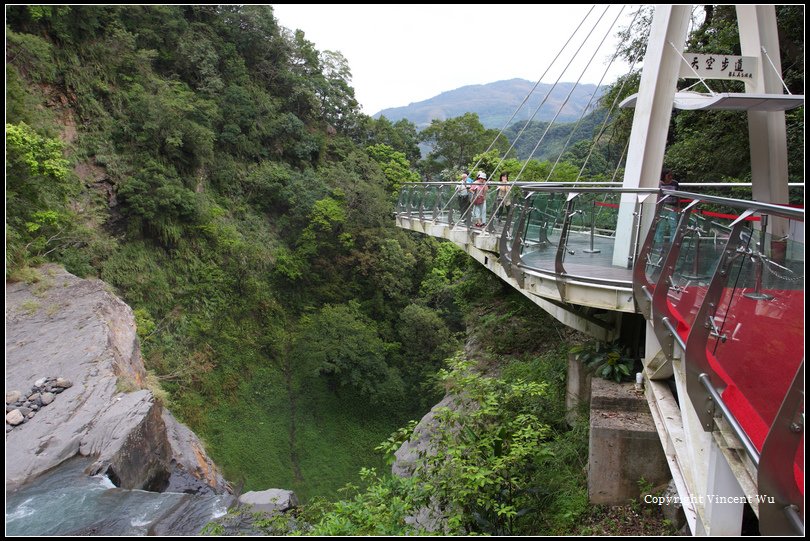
667 180
479 195
463 193
504 197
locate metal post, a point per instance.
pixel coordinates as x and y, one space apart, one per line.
593 225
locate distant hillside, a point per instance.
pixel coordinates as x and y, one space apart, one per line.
555 139
495 103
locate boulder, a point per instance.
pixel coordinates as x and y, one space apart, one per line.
13 396
89 343
14 418
271 500
429 518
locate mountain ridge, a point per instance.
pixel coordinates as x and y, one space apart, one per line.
495 102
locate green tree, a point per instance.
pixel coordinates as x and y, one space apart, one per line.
341 344
400 135
395 167
38 184
456 140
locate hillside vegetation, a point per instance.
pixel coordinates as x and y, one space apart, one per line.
214 169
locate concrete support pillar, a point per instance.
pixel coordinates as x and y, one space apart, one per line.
624 446
577 388
724 499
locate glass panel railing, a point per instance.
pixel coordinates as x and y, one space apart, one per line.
510 229
757 341
701 248
428 203
414 200
404 197
447 204
661 242
491 207
781 511
542 230
592 236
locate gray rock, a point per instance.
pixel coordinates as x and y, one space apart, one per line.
24 411
429 518
46 398
270 500
31 414
194 472
13 396
14 418
34 398
421 442
40 382
90 342
63 383
34 408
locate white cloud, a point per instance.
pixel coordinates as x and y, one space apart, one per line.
404 53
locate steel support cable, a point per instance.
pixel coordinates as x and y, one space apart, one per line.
472 201
559 109
539 80
621 157
610 112
776 71
593 94
531 154
526 99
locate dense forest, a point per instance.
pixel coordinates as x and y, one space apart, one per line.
214 168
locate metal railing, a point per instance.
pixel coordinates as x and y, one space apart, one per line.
723 278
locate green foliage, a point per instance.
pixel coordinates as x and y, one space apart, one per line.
38 184
456 140
31 155
605 360
401 136
342 345
158 204
492 465
143 323
394 165
30 55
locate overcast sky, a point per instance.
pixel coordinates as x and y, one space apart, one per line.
404 53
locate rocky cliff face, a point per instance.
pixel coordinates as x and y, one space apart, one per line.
65 327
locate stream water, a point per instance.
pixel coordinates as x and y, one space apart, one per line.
65 501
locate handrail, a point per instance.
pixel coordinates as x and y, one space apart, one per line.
756 206
521 183
748 445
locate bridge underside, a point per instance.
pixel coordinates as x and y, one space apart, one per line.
594 309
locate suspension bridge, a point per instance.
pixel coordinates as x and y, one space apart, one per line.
715 284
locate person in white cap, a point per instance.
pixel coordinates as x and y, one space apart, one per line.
479 195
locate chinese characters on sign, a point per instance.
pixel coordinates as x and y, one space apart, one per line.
718 66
